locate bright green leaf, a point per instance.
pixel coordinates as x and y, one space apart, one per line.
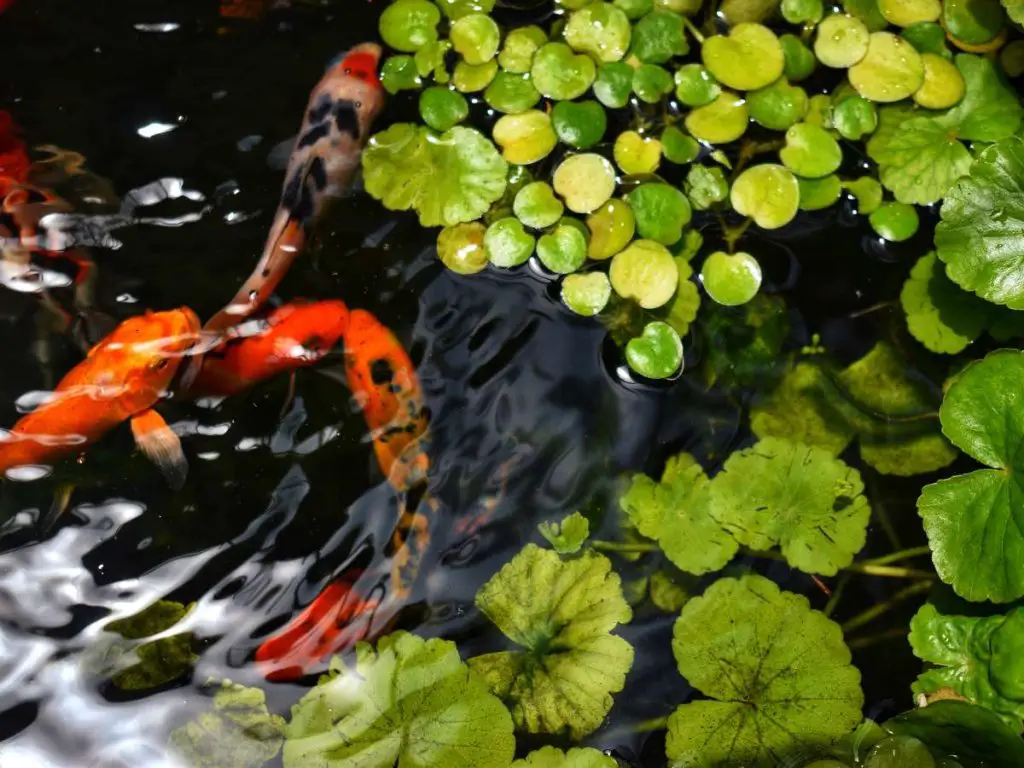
940 314
409 703
674 512
551 757
975 522
777 673
975 737
566 537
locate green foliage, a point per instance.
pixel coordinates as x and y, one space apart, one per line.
236 732
731 279
973 736
549 757
561 613
976 657
973 521
941 315
777 675
407 702
657 352
566 537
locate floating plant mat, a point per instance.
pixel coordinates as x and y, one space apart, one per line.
652 159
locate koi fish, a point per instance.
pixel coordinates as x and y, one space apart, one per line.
292 336
322 166
121 379
14 160
384 384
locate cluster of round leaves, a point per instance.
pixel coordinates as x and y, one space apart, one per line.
549 185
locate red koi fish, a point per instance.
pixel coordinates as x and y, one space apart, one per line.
14 161
292 336
322 165
121 379
384 383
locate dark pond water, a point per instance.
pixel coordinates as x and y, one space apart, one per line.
276 504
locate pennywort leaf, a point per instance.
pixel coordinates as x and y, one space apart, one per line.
567 536
550 757
777 675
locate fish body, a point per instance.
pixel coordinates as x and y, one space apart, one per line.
121 379
322 165
383 382
292 336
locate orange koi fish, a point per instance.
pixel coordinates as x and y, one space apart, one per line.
384 383
322 165
292 336
121 379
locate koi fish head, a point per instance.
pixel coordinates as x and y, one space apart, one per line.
307 332
140 356
353 78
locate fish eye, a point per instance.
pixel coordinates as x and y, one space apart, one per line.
359 105
160 364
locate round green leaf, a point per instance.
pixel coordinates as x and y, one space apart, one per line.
658 37
974 22
456 9
795 496
476 37
723 120
841 42
634 153
777 106
731 280
558 73
817 194
611 228
580 124
635 9
646 273
526 137
776 673
891 70
408 25
446 179
895 221
471 78
416 704
750 57
975 522
536 205
586 294
695 86
550 757
943 87
600 29
461 248
563 250
811 151
802 11
507 243
854 117
769 194
651 83
657 353
867 192
903 13
442 108
520 46
585 181
940 314
399 73
613 84
511 93
678 147
927 37
561 613
661 212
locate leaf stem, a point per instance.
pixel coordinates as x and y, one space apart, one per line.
732 234
615 546
656 724
697 35
872 308
903 554
874 612
859 643
837 593
864 568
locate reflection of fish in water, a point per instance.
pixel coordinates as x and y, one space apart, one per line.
121 379
323 163
385 385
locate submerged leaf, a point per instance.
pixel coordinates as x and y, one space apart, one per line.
446 178
777 672
743 344
550 757
981 235
566 537
977 657
160 661
409 703
973 736
675 513
238 731
975 522
797 497
940 314
562 613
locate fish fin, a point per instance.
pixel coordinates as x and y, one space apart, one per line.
61 499
161 446
281 153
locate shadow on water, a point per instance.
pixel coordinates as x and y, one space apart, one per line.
276 506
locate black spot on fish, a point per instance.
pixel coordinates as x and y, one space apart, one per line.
313 135
265 272
320 110
297 198
381 371
346 118
318 173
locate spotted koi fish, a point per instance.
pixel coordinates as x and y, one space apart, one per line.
322 166
121 379
384 384
292 336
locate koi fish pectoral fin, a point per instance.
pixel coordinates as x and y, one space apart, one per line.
281 153
161 446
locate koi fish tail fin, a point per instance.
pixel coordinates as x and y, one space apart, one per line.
334 622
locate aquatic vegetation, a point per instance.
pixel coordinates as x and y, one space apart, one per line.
566 537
